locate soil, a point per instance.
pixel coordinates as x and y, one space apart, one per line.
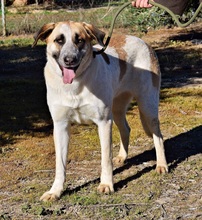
188 201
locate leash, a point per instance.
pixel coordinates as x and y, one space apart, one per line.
174 17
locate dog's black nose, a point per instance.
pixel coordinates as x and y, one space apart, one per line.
70 60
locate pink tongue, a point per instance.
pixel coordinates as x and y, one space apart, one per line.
68 75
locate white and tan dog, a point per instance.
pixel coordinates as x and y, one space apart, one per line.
82 88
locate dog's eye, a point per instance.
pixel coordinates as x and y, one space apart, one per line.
78 40
60 39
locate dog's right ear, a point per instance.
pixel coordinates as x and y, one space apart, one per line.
43 33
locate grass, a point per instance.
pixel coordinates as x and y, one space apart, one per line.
21 41
28 20
27 156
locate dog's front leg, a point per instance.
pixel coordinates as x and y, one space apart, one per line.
105 135
61 139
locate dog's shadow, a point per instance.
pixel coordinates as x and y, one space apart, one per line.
177 149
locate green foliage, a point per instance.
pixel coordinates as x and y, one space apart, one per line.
144 19
190 12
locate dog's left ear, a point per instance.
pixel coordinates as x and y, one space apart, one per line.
94 33
43 33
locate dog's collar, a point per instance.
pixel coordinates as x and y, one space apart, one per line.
101 51
103 54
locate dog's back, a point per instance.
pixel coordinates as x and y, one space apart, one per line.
132 64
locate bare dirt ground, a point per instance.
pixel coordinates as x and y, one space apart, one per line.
177 195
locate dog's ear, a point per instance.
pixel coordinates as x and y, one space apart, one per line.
43 33
94 33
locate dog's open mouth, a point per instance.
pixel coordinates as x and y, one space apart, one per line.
68 75
69 71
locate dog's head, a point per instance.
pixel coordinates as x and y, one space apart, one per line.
68 43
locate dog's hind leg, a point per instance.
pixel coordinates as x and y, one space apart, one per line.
149 117
120 105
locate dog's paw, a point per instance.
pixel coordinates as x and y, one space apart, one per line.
119 160
162 169
105 188
48 196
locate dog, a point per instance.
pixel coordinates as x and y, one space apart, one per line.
84 88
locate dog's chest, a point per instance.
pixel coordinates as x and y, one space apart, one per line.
82 115
82 107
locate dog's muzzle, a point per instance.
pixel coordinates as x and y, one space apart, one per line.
68 66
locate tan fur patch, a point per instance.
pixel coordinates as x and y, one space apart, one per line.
118 41
121 101
52 36
156 74
77 28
